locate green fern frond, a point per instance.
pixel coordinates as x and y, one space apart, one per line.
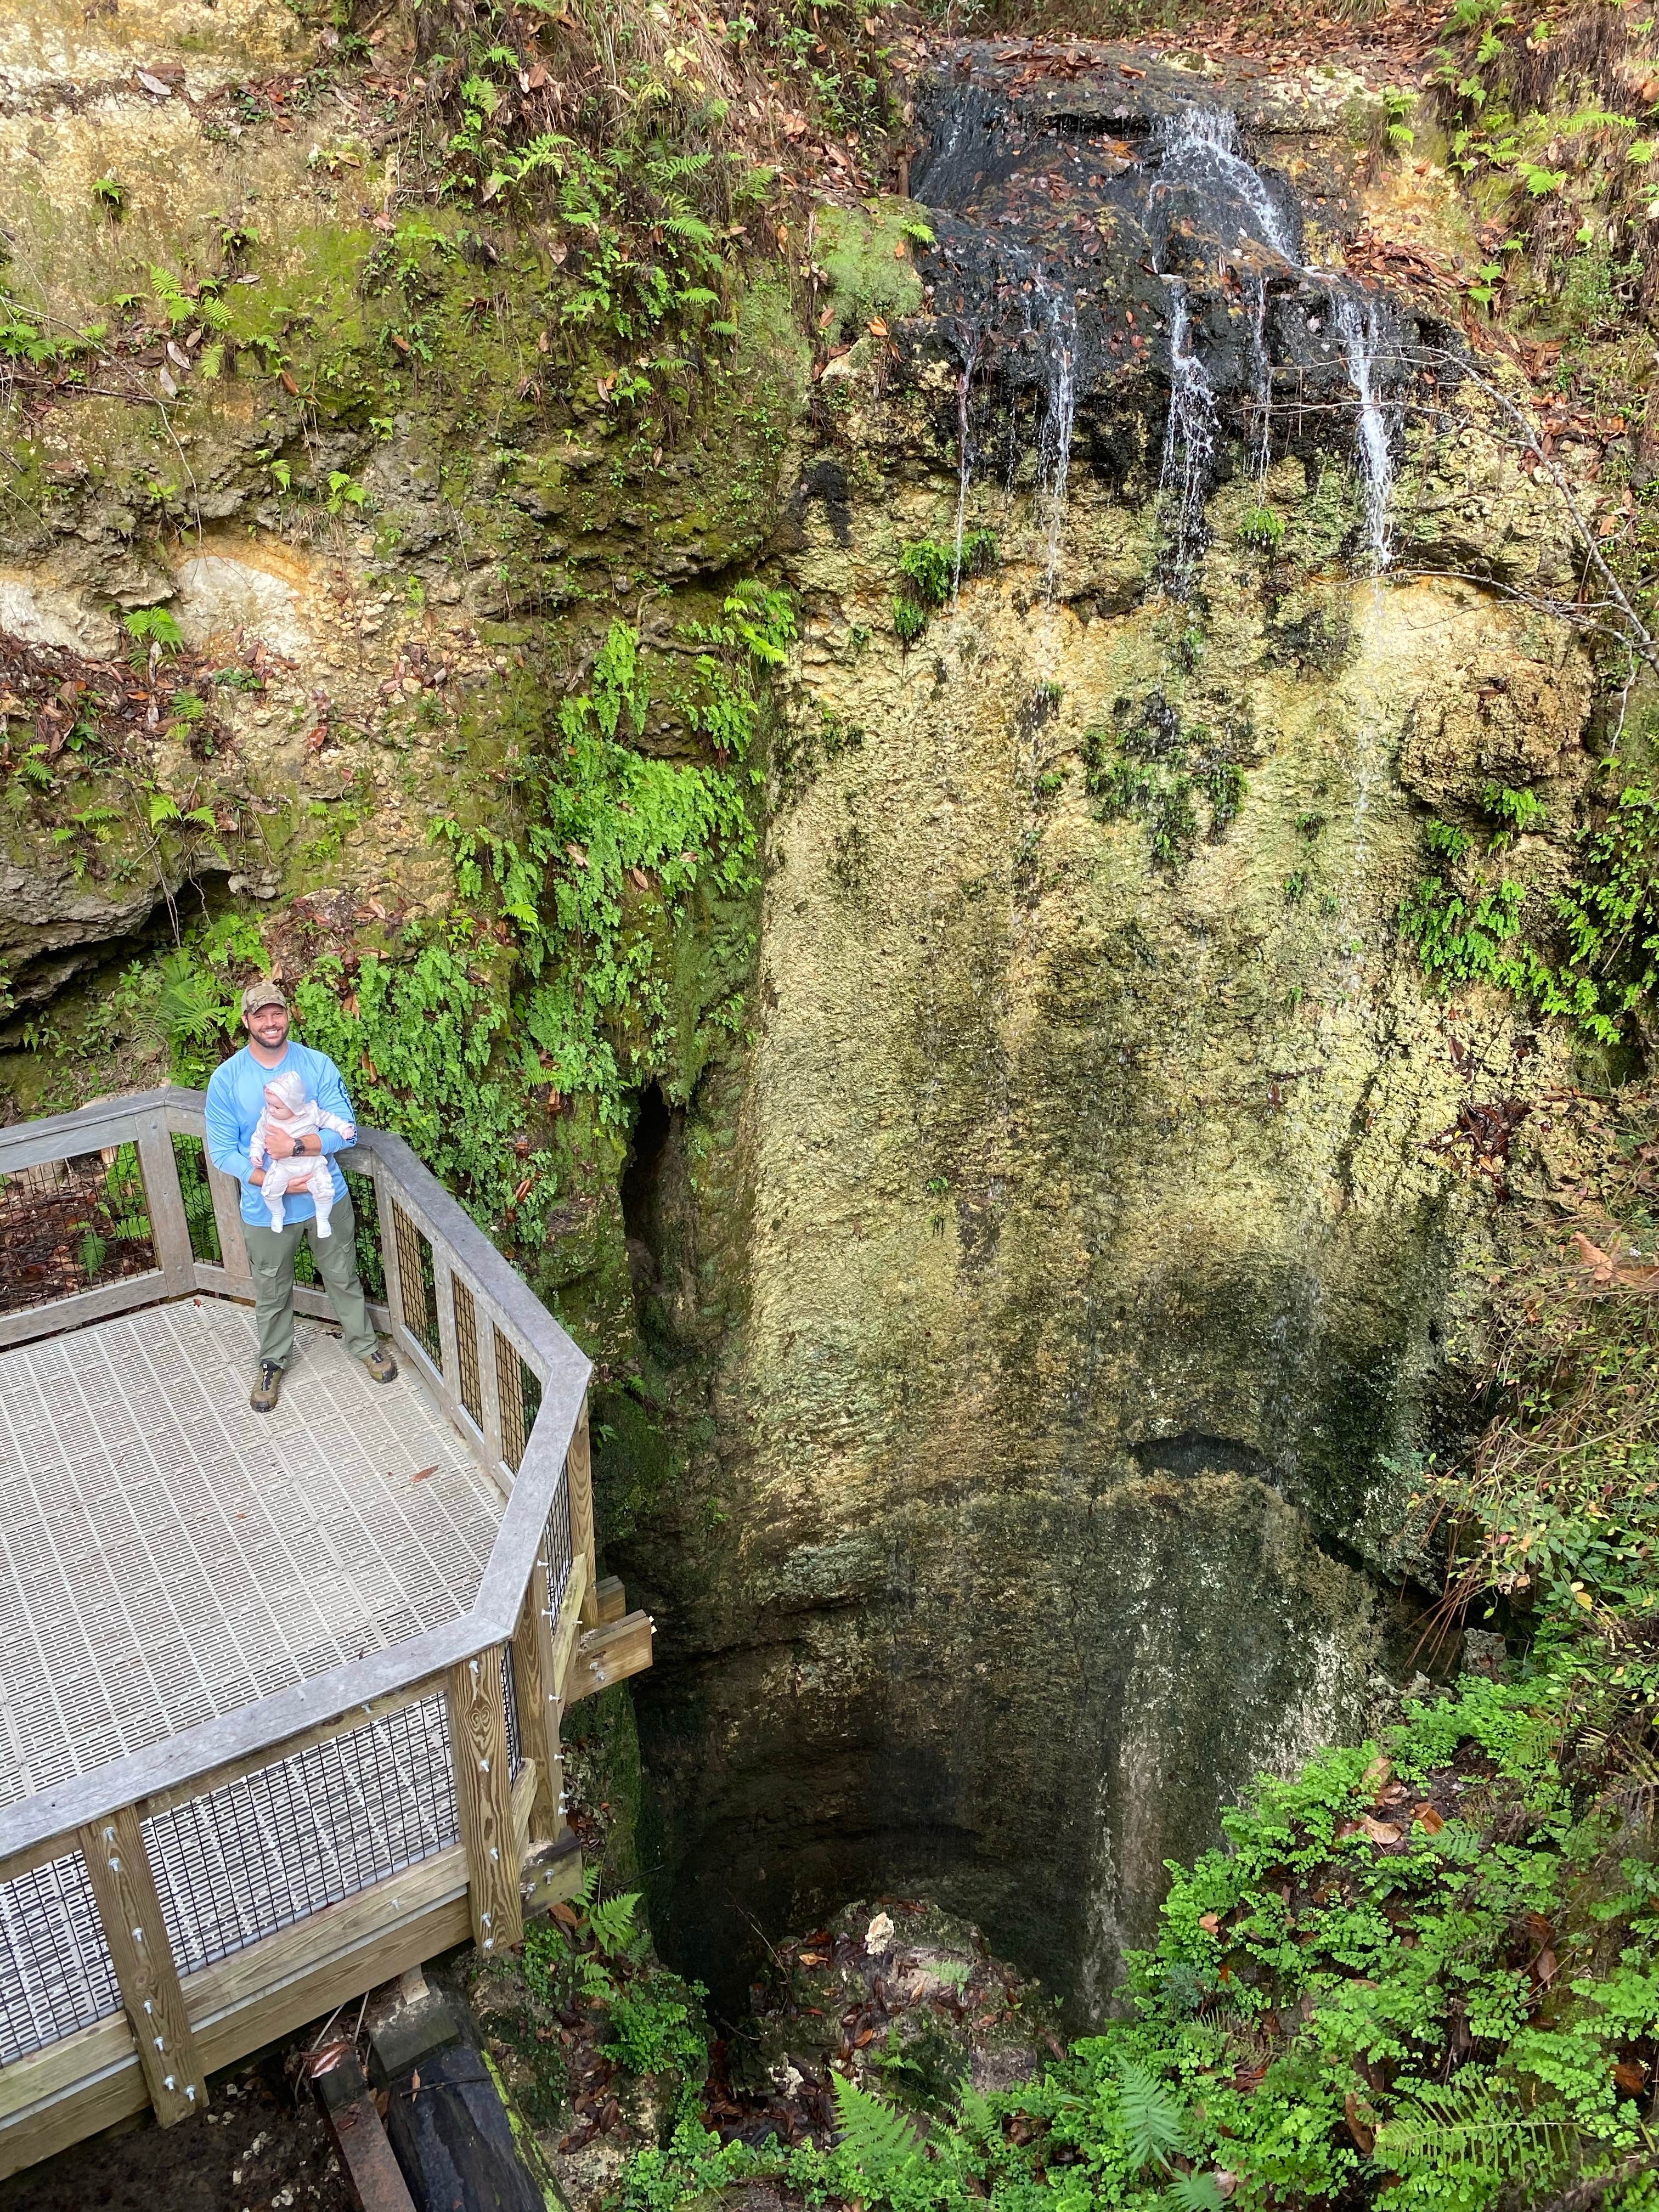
1194 2192
879 2139
612 1922
1473 2127
975 2114
1153 2114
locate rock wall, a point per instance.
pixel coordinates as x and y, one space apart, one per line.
1100 1246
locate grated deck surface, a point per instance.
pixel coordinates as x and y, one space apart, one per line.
168 1554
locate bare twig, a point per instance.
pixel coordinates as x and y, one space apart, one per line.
1639 638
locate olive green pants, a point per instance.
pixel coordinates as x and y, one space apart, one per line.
271 1255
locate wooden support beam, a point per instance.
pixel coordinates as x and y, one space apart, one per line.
568 1626
612 1599
484 1795
579 1475
122 1883
538 1702
608 1655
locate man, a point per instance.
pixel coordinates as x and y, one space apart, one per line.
235 1100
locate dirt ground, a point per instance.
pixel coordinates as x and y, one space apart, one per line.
253 2150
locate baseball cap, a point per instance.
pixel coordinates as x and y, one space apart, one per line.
263 993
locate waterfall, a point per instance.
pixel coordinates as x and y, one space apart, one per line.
1189 440
1201 155
971 339
1059 318
1201 147
1355 325
1261 363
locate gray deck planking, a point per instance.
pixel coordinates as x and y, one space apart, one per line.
167 1556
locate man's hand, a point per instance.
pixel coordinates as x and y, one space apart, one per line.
282 1146
257 1177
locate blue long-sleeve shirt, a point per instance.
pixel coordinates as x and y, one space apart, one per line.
235 1100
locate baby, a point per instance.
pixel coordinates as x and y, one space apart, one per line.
288 1109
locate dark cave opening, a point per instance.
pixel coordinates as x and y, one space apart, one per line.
644 1192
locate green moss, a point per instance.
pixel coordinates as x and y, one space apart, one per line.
866 253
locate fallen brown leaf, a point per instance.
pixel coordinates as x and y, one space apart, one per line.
1364 2138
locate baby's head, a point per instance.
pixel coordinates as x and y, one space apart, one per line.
285 1094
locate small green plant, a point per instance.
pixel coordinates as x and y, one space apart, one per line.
931 570
1516 811
1154 768
655 2031
343 491
154 626
881 2142
1263 527
909 619
1447 841
578 1958
1397 107
110 196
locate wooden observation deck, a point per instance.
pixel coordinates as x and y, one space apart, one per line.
279 1695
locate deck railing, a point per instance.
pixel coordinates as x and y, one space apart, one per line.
163 1913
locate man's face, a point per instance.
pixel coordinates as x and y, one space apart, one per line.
268 1027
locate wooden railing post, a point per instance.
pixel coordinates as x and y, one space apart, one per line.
119 1869
228 1219
169 1225
579 1476
538 1702
483 1797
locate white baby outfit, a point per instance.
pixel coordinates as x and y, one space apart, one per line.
288 1109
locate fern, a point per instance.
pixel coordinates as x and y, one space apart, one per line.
1194 2192
976 2115
1474 2128
612 1924
881 2142
1153 2114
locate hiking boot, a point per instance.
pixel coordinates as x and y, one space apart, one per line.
268 1388
380 1365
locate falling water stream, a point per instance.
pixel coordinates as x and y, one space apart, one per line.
1189 440
1201 158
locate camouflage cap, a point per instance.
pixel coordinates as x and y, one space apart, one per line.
263 993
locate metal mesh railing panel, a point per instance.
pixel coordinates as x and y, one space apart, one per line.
560 1552
509 1391
71 1225
418 1284
466 1349
519 1389
510 1699
264 1851
366 1212
55 1974
190 1158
